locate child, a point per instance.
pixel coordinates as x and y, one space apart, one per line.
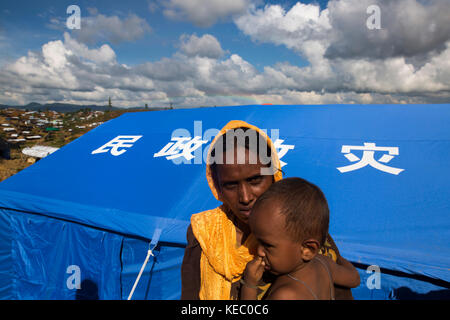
290 221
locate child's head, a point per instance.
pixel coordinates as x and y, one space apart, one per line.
290 221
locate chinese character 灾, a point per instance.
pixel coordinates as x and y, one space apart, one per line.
368 158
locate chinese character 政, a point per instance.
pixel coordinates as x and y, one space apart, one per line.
368 158
181 147
185 146
116 143
282 149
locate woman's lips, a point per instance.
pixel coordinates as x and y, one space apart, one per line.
245 212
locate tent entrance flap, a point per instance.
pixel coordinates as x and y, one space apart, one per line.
151 247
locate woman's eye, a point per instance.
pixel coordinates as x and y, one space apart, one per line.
230 186
255 180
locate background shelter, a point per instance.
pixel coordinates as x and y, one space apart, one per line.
5 152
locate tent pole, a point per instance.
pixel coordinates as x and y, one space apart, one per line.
151 247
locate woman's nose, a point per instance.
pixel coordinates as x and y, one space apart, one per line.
244 193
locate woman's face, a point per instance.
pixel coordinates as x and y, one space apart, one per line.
240 185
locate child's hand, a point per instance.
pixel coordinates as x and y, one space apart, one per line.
253 271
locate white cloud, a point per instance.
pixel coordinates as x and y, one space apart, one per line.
47 69
204 13
341 49
203 73
167 69
408 28
104 54
273 24
70 71
111 29
205 46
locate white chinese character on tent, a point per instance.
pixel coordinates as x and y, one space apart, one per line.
282 149
182 147
116 143
368 158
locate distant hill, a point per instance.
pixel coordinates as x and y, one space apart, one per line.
66 107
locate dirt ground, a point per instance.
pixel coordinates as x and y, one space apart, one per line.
20 161
11 167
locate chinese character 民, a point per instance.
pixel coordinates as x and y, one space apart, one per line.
368 158
116 143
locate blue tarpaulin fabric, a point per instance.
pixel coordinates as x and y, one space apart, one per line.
47 255
161 277
383 168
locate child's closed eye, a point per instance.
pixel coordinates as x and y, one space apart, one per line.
265 244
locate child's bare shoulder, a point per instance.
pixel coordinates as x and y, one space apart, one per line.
290 292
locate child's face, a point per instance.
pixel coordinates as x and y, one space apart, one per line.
279 252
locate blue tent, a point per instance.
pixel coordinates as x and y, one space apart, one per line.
77 224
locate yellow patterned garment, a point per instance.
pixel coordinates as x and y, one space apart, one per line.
221 263
327 250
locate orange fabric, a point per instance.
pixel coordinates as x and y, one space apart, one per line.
221 262
327 250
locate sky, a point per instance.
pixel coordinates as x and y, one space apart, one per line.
189 53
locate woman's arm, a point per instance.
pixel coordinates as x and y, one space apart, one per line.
341 293
190 268
344 273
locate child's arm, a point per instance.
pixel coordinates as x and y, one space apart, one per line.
250 279
344 273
